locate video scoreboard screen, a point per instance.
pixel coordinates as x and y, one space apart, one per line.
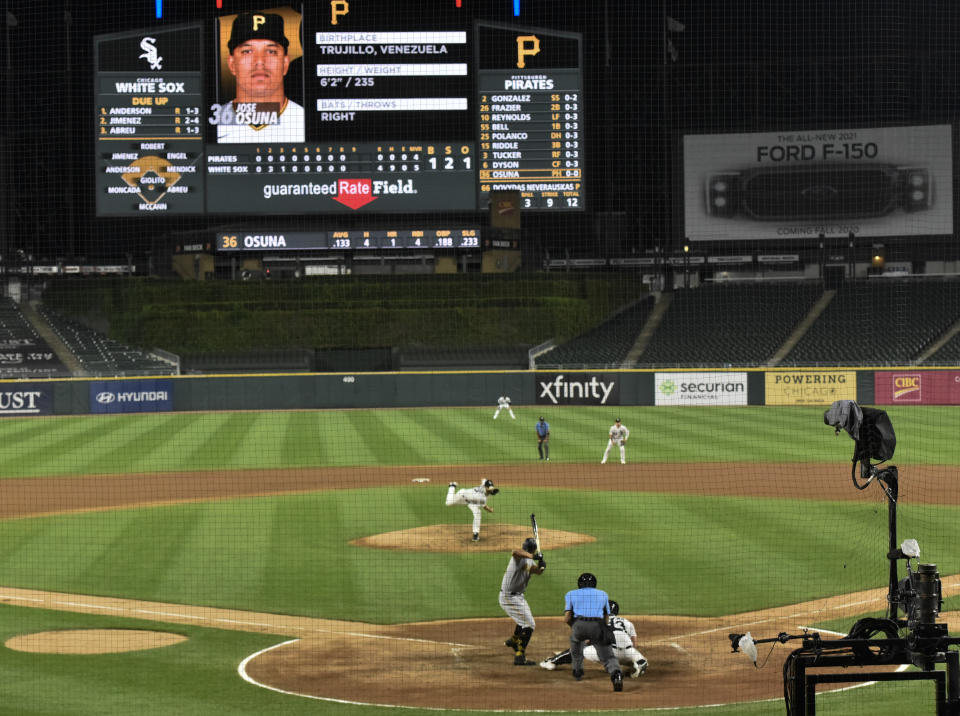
530 94
336 108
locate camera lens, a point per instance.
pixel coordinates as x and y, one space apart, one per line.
928 593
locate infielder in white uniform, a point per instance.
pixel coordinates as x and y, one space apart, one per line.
475 498
618 436
523 563
503 403
625 648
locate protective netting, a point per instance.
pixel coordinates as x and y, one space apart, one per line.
310 308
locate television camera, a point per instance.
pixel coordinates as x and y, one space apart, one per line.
909 633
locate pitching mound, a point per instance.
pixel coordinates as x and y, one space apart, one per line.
92 641
458 538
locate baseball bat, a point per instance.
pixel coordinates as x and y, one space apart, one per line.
536 531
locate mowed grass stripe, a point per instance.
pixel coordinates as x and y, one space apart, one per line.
202 441
133 440
452 436
70 446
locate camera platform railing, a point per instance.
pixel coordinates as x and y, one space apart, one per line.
816 654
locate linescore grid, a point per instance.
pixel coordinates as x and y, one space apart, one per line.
385 115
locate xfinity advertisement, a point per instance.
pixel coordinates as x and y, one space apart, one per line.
796 184
578 389
701 388
152 395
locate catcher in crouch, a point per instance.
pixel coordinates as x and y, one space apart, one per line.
624 648
475 498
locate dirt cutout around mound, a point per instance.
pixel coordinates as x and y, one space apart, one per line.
463 663
92 641
458 538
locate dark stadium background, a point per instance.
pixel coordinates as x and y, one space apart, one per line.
735 66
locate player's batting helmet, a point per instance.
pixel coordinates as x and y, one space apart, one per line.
488 483
614 608
530 545
586 580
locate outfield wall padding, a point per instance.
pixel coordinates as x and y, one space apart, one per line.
312 391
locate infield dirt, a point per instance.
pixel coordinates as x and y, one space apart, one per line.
463 663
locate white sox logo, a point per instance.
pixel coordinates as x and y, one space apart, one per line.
593 390
150 53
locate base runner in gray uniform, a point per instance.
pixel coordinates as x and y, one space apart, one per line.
523 563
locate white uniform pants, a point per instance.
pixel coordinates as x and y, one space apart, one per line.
623 451
455 497
509 410
628 656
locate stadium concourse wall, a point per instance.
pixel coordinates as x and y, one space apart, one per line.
801 386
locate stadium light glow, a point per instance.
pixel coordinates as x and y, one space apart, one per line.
516 8
159 6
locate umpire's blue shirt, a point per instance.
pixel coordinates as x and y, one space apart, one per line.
587 602
543 428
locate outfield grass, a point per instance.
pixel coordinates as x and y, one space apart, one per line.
111 444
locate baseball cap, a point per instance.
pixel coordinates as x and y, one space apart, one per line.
541 417
257 26
618 420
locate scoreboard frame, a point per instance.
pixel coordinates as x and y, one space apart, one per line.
155 170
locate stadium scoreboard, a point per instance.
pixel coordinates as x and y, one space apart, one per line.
531 123
375 113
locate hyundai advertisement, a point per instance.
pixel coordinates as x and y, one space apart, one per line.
149 395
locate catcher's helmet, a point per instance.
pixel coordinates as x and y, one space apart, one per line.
530 545
614 608
586 580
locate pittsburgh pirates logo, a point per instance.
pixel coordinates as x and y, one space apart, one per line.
527 46
152 177
338 9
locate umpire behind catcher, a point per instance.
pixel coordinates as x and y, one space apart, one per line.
585 610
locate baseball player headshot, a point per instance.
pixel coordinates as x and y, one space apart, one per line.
617 436
503 403
586 609
475 498
523 563
543 439
624 647
259 62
